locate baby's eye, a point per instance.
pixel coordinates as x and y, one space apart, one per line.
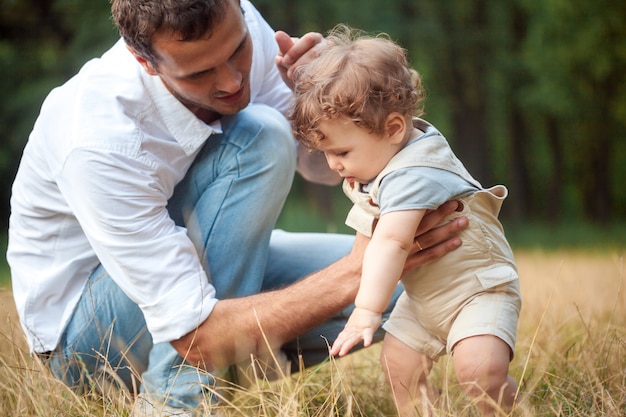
341 154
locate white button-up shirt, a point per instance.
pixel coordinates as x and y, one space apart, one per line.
93 184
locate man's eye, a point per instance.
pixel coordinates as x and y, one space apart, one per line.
195 77
198 75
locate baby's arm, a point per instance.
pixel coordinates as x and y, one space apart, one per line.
383 264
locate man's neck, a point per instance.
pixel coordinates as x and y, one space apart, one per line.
207 116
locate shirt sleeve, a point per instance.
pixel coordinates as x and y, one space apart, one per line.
123 212
266 84
417 188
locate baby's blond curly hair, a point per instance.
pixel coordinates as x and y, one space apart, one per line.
360 77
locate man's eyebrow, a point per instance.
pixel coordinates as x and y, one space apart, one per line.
204 71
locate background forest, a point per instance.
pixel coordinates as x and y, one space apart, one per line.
530 93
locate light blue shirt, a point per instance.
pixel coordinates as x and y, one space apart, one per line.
418 188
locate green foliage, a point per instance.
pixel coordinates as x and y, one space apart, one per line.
567 235
324 209
42 44
530 94
576 53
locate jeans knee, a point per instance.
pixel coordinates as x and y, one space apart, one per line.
267 147
269 132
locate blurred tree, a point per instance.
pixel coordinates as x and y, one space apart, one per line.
576 56
453 40
512 157
507 82
531 94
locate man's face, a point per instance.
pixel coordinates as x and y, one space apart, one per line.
210 76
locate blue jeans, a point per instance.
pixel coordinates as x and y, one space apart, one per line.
229 202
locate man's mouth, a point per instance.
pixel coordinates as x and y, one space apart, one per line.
232 98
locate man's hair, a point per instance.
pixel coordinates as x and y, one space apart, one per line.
356 76
189 20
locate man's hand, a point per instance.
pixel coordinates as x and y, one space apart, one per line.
432 242
294 52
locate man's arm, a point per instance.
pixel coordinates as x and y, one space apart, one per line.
314 168
238 328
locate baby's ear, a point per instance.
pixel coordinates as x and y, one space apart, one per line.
395 126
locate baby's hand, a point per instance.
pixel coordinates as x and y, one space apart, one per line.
360 326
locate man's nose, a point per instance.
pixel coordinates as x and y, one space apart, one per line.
229 78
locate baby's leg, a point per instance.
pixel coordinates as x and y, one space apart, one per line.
406 371
481 364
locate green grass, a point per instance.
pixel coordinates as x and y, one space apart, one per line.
567 235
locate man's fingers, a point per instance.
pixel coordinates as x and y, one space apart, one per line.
436 243
294 52
301 47
284 41
432 253
434 217
441 233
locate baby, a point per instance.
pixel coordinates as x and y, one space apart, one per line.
359 103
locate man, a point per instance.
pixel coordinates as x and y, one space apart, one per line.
140 239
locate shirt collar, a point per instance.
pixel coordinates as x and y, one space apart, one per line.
189 131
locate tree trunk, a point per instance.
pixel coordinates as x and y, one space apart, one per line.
554 197
595 175
520 196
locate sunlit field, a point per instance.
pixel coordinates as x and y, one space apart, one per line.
570 359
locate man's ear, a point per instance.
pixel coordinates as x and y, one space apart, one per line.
150 70
395 126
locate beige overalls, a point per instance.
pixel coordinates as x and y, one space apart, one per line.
471 291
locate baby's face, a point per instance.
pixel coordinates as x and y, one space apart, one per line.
353 152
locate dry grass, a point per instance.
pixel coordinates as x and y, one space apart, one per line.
570 359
